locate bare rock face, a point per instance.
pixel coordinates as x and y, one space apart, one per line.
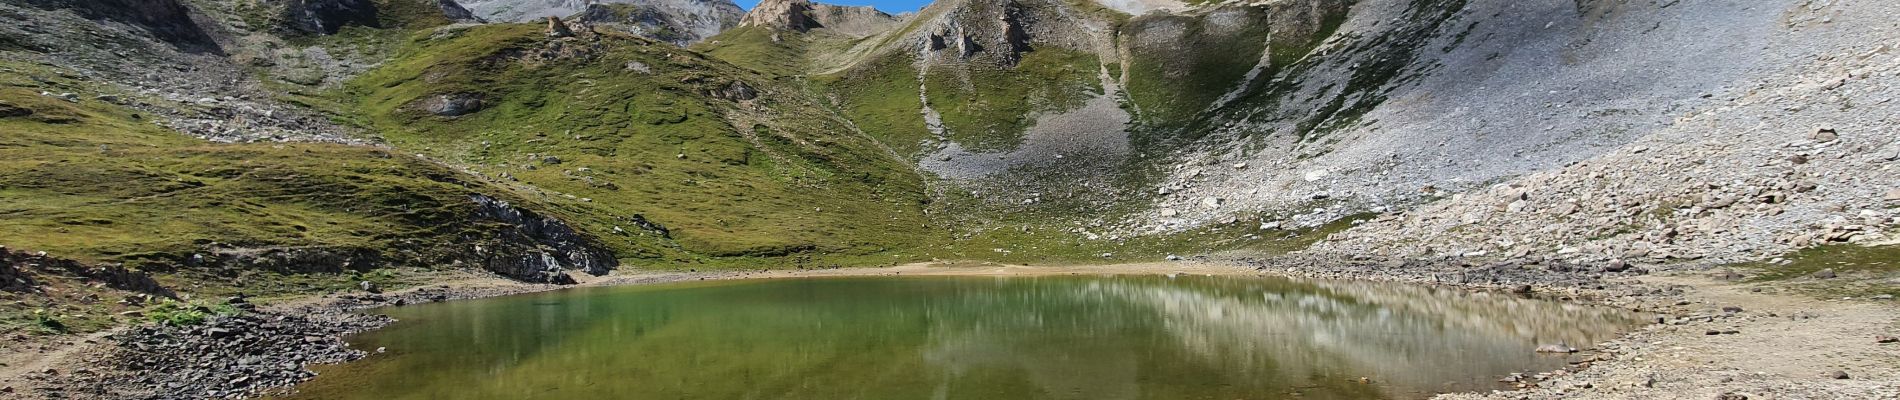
456 104
534 248
170 21
804 16
455 12
792 15
324 17
558 29
681 22
1000 31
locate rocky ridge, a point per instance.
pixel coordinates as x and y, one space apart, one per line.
804 16
680 23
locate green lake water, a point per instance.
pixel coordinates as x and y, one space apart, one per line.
1092 337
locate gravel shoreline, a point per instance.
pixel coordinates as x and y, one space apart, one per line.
267 350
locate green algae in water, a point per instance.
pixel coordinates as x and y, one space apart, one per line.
1114 337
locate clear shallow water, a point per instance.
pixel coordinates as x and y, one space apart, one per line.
1098 338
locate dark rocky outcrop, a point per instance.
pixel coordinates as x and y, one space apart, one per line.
13 111
454 104
324 17
455 12
23 272
534 248
170 21
737 91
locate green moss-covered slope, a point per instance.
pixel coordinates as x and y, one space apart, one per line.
730 161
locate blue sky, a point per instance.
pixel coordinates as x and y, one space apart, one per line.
889 6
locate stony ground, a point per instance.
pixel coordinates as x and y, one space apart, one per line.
1590 127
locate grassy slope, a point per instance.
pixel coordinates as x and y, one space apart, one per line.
989 107
727 181
96 182
1171 84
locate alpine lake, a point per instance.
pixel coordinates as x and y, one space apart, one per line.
1097 337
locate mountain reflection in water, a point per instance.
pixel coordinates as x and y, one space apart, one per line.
1114 337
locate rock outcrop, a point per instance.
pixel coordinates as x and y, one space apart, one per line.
21 272
681 22
325 17
804 16
530 247
170 21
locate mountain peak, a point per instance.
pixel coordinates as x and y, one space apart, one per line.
804 16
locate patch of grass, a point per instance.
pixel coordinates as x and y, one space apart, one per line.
180 313
1179 66
987 107
97 183
1877 263
48 322
881 98
754 47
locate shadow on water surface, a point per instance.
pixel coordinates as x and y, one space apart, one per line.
1114 337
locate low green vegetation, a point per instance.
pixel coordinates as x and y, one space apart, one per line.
1858 270
183 313
987 107
1180 65
606 129
881 98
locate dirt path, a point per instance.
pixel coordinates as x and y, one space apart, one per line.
1778 345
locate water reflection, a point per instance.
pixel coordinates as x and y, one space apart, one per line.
1269 334
966 338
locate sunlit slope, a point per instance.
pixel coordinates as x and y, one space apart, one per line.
624 132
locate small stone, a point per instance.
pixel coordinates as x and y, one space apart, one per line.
1893 195
1731 309
1886 339
1556 348
368 286
1838 375
1824 134
1824 274
1731 396
1521 289
558 29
